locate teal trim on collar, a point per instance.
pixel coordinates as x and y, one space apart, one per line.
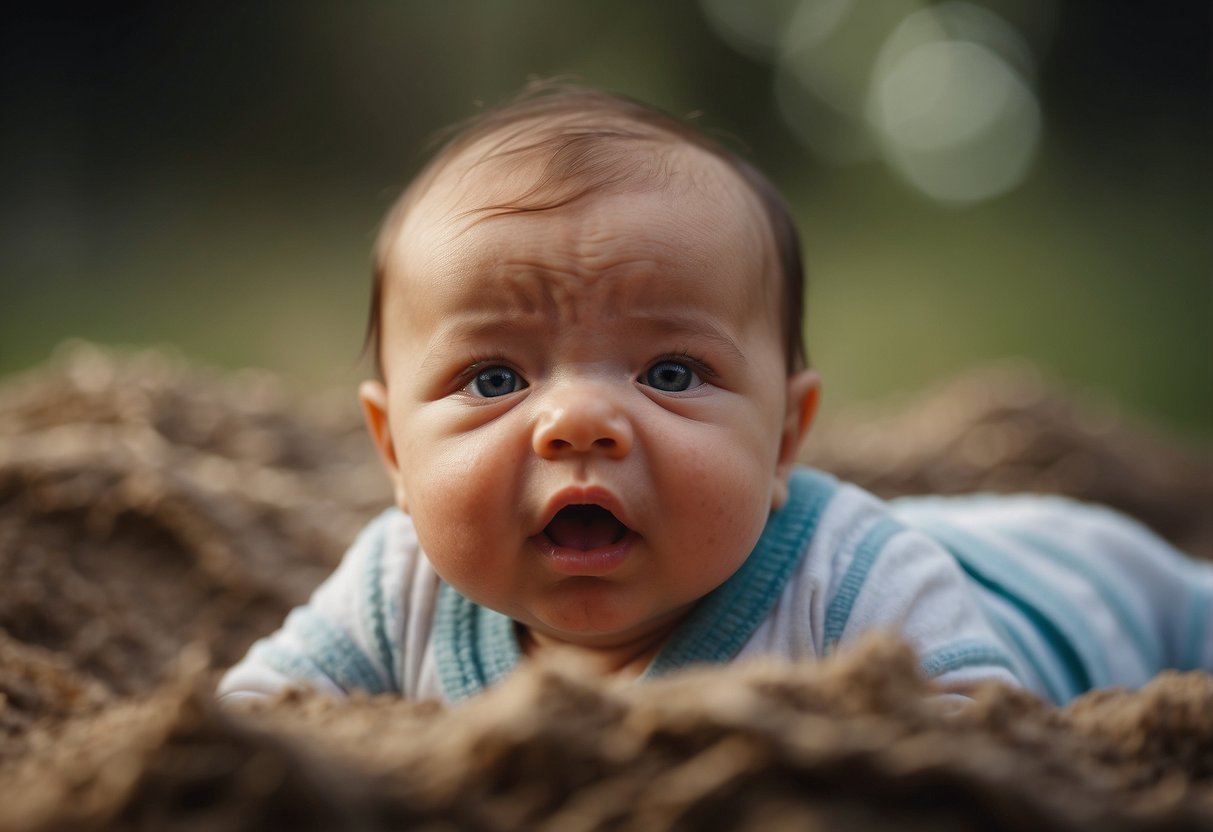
476 647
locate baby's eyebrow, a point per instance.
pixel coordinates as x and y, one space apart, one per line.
471 329
691 326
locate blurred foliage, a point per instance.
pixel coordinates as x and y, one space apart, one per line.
211 176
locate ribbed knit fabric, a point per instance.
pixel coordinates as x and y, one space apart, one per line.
475 646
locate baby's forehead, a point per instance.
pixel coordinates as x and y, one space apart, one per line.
546 164
494 197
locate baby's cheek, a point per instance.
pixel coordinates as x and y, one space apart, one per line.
462 506
722 490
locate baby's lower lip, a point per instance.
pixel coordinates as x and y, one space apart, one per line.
597 562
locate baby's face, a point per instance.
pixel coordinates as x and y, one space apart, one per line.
587 410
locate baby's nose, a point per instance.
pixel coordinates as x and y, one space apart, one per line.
581 421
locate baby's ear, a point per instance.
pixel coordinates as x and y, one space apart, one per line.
374 399
804 392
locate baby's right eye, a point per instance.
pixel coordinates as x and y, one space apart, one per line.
495 381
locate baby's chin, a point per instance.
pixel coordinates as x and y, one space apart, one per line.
610 636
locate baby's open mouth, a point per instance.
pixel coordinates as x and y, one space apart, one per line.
585 527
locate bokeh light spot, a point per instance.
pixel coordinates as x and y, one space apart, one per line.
824 69
955 119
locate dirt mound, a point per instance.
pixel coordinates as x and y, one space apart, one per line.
155 519
145 505
856 742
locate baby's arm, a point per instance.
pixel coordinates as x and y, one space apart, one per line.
899 580
340 639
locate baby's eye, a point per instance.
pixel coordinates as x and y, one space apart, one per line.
495 381
670 376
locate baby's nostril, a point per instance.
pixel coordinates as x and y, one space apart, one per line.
604 442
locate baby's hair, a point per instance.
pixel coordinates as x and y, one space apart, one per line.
584 141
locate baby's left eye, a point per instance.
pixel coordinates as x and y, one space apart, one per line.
670 376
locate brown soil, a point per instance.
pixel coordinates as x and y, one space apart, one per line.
155 519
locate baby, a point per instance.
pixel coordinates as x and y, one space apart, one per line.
587 318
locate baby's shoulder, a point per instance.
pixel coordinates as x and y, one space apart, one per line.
851 529
385 552
849 514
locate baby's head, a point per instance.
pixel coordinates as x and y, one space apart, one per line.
586 317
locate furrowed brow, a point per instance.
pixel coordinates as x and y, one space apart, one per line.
696 328
469 330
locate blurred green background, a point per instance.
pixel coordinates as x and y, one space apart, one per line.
974 181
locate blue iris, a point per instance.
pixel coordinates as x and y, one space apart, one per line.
497 381
669 376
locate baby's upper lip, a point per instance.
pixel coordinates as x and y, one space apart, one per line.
579 495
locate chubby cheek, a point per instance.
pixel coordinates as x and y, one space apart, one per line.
460 493
716 501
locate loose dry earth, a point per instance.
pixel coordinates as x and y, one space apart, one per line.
155 519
